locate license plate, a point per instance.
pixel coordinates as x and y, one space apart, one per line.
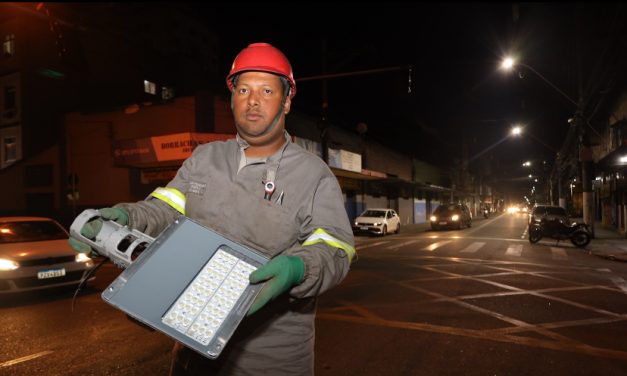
364 228
442 223
51 273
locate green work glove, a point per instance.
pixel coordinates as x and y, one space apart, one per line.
92 228
280 274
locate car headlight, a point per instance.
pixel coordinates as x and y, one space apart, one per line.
8 264
377 224
81 257
433 218
455 217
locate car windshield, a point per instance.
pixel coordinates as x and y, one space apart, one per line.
445 209
555 211
30 231
373 213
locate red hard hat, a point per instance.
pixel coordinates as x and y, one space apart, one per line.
262 57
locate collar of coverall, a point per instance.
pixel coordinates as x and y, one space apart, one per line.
243 145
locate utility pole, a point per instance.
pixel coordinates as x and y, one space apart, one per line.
323 125
585 150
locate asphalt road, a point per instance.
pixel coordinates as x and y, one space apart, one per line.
478 301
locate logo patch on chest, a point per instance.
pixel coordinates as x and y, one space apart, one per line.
197 188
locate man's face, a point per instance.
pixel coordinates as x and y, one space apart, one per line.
256 101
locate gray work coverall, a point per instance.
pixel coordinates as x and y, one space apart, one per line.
225 192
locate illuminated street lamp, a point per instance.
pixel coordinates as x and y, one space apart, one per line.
516 130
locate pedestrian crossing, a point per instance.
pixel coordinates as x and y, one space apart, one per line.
507 249
514 250
472 248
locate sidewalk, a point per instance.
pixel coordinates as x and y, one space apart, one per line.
608 243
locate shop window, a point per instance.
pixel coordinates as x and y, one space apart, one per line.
150 87
8 45
10 101
9 146
167 93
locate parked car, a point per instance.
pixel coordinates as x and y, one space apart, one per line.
377 221
549 212
35 254
451 216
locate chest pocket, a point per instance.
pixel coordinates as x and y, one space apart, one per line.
230 210
262 224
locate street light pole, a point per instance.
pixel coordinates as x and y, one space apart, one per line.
549 83
585 154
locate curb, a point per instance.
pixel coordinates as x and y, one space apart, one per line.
611 257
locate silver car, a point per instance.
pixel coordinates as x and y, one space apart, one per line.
35 254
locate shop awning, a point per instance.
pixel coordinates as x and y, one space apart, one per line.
364 175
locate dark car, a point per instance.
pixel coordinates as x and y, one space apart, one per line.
549 212
451 216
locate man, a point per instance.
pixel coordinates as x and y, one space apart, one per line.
266 192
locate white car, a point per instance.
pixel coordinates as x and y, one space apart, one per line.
35 254
377 221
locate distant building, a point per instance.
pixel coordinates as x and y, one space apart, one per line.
62 57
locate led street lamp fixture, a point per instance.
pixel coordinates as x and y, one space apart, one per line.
189 283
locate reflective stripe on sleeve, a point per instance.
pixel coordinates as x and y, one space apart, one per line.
172 197
321 236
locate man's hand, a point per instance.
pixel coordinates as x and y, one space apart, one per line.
280 274
92 228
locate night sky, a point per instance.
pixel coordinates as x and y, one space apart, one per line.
458 92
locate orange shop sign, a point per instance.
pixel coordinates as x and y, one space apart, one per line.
172 147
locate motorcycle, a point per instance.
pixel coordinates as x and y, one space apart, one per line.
486 213
555 228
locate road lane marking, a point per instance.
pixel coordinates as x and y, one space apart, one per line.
567 346
514 250
434 246
620 282
397 246
558 253
474 247
554 340
25 359
359 248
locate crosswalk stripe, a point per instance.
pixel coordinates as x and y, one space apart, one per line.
434 246
397 246
558 253
474 247
359 248
514 250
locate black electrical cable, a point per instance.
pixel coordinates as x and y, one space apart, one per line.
85 278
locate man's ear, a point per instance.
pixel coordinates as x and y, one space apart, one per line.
287 105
